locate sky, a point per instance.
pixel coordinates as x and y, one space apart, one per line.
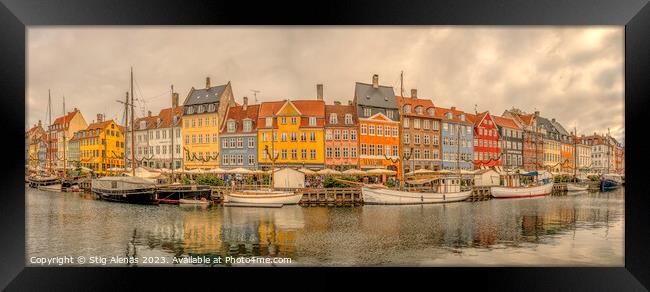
573 74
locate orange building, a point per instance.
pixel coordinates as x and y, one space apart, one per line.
379 143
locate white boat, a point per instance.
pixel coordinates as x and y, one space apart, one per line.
43 180
576 187
51 188
262 198
522 191
125 189
382 196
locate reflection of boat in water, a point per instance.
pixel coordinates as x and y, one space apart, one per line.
50 188
125 189
261 198
173 194
201 201
610 181
571 187
522 192
444 190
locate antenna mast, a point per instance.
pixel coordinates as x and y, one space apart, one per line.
132 129
255 92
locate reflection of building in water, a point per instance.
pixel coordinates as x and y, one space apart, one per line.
261 231
198 232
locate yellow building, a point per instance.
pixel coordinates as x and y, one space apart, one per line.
297 131
35 137
552 155
203 114
101 146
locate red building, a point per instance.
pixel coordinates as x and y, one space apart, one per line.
487 151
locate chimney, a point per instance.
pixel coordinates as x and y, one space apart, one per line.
319 91
100 118
337 103
175 99
76 110
375 81
553 119
453 108
39 123
148 113
245 105
414 93
207 82
537 113
349 102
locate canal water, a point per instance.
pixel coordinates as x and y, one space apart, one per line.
583 229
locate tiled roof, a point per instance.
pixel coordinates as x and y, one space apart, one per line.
67 118
150 120
238 114
311 108
165 116
381 97
440 114
505 122
202 96
340 111
415 102
477 118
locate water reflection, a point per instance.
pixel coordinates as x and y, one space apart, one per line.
584 228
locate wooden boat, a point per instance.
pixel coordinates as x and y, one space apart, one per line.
125 189
43 180
51 188
522 191
262 197
383 196
610 181
571 187
172 194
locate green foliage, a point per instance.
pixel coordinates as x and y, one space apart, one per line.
562 179
186 181
594 178
354 178
330 182
390 184
209 180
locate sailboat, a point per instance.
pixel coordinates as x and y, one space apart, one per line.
46 178
575 186
445 189
125 189
269 198
610 181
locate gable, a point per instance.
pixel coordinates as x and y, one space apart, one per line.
288 109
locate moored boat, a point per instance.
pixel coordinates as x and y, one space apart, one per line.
43 180
201 201
124 189
572 187
172 194
50 188
262 198
522 191
610 181
443 190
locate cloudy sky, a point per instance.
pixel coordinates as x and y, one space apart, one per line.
573 74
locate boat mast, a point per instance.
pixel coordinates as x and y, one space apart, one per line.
400 135
49 135
132 129
64 129
607 150
126 123
172 133
272 154
575 152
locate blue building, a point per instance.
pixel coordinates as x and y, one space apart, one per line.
456 124
238 137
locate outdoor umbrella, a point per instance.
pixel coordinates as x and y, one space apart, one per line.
240 171
353 171
328 171
306 171
421 171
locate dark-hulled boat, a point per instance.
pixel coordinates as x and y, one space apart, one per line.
610 181
125 189
172 194
43 180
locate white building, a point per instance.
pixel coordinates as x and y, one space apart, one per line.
602 152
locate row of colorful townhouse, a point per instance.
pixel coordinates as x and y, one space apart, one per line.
376 129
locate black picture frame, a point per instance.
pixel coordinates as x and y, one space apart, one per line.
16 15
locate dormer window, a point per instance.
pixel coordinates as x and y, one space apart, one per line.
333 118
201 109
269 122
190 110
348 119
448 115
367 112
143 125
211 107
312 121
248 125
431 111
418 110
407 108
462 117
231 126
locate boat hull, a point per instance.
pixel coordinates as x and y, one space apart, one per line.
144 197
576 188
37 181
378 196
263 198
173 194
608 185
522 192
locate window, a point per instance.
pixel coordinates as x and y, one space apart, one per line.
364 129
214 121
328 152
303 154
251 160
346 152
367 112
294 120
240 142
187 124
371 149
251 142
405 122
427 139
390 114
407 108
269 122
363 149
303 137
283 120
353 152
333 118
416 123
416 139
380 130
214 138
395 132
371 130
265 137
211 107
431 111
193 139
419 110
284 137
312 137
353 134
312 154
294 154
337 134
178 148
328 135
200 138
294 137
380 150
425 124
284 154
200 122
337 152
406 138
348 119
231 126
345 134
427 154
